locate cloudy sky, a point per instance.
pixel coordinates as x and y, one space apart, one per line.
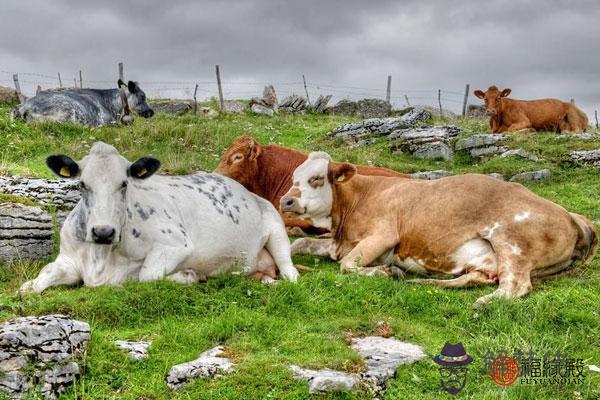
541 48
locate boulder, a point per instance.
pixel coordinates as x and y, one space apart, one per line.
482 145
532 176
41 353
326 380
211 364
136 350
589 157
62 193
344 108
261 110
520 153
373 108
373 127
425 142
430 175
233 106
8 95
412 116
293 104
172 107
269 97
25 232
321 104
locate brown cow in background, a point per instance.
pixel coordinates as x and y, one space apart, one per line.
267 171
510 115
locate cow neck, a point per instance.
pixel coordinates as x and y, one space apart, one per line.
347 197
276 166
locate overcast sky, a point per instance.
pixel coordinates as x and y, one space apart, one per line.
541 48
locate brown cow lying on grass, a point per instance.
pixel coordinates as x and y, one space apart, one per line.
474 227
510 115
267 171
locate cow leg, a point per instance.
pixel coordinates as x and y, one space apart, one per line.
364 253
472 278
278 246
60 272
514 277
524 126
162 261
311 247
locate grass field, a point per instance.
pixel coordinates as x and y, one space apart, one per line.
265 329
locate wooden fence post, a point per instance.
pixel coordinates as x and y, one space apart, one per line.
59 81
80 80
75 82
121 72
388 91
221 102
440 102
572 101
464 110
18 88
407 102
195 102
596 116
306 90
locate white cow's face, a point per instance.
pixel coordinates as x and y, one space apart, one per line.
104 176
311 195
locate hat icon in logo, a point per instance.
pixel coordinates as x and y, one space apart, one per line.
453 363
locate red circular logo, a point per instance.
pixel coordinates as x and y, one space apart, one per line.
504 371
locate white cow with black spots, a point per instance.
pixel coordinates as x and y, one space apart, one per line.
131 225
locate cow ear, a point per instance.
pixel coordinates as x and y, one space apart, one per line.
479 93
63 166
120 84
340 173
505 92
143 168
255 149
131 86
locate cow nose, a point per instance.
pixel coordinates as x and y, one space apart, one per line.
287 203
491 112
103 234
149 113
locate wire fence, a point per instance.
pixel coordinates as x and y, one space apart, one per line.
184 89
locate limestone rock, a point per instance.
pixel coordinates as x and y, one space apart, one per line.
520 153
414 115
321 104
488 151
262 110
268 101
233 106
136 350
25 232
579 136
326 380
532 176
373 108
343 107
41 351
482 140
369 128
173 107
430 175
210 364
589 157
425 142
62 193
293 104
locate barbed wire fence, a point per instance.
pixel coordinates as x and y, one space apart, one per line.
28 83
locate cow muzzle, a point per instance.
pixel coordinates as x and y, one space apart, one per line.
147 113
491 113
289 204
103 234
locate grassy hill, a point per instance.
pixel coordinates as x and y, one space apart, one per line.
265 329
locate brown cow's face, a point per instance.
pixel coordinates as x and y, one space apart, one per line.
311 195
239 160
493 100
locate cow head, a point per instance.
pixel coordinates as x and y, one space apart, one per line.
104 176
311 195
136 98
239 161
493 100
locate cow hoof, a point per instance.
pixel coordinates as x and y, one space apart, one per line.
26 288
290 274
295 231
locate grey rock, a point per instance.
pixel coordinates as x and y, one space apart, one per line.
63 193
172 107
532 176
326 380
293 104
415 115
136 350
430 175
495 175
233 106
269 97
367 129
476 110
262 110
320 104
520 153
436 111
373 108
482 140
488 151
589 157
343 107
210 364
579 136
425 142
25 232
41 351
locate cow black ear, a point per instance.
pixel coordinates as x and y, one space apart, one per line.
131 86
120 84
143 168
340 173
63 166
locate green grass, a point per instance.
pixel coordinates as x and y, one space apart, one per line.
267 328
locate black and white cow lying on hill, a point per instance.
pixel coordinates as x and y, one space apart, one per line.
130 225
93 107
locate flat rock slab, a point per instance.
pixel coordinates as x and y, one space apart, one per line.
136 350
532 176
520 153
580 136
262 110
326 380
211 364
589 157
25 232
430 175
479 141
233 106
41 351
431 142
62 193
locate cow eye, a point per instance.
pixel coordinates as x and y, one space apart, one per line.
316 181
237 157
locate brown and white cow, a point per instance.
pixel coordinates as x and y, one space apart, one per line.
510 115
266 170
473 227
